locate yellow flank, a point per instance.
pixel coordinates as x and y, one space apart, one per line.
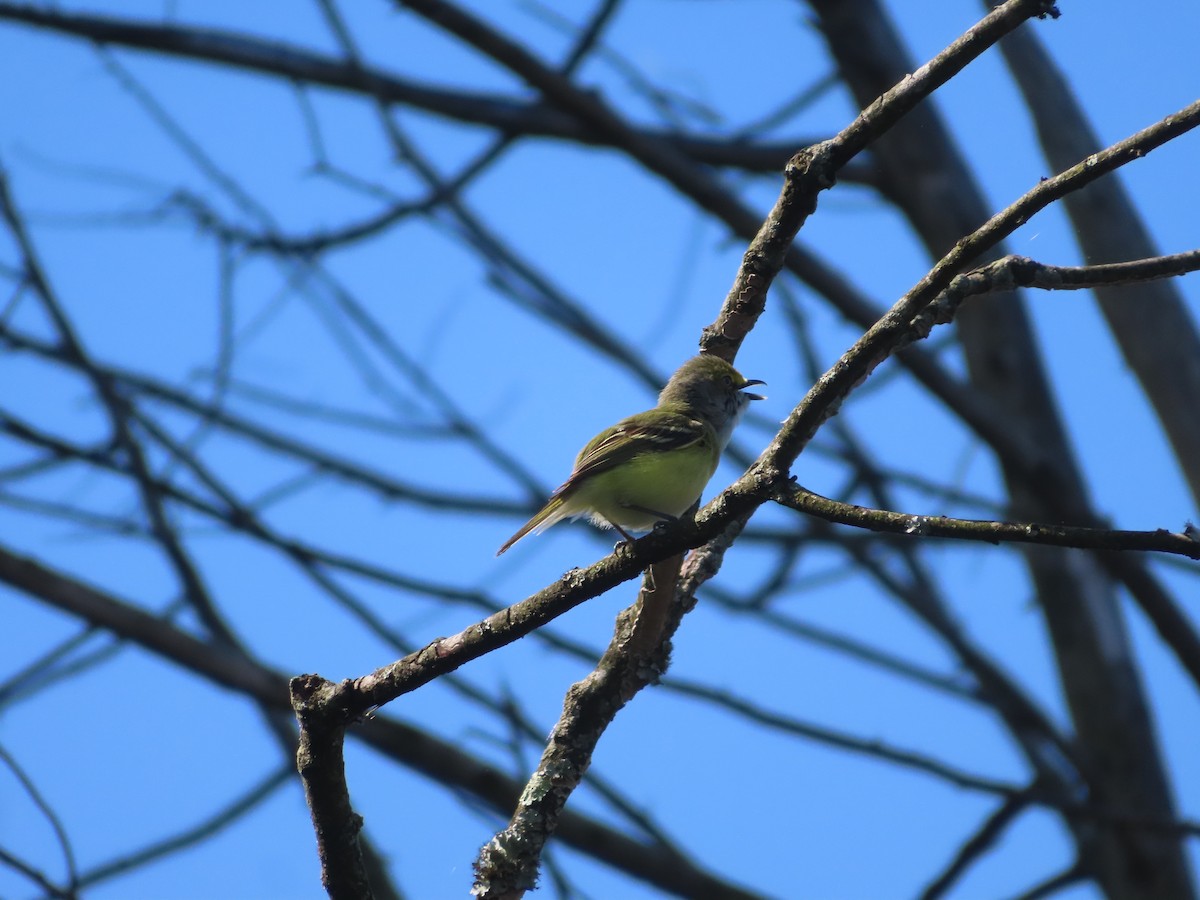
641 492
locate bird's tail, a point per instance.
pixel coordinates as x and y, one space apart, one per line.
548 515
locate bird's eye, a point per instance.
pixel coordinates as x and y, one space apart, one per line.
728 381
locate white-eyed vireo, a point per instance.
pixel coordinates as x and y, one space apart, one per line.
652 467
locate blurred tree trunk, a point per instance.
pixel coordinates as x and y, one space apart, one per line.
923 174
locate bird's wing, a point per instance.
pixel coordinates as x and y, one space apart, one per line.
641 433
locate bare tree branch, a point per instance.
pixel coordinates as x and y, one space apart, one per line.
1079 537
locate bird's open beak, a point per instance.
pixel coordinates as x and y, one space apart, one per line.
750 382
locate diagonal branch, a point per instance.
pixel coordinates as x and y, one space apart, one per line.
809 173
416 749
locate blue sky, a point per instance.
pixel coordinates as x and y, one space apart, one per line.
135 748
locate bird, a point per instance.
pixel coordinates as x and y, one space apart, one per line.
652 466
